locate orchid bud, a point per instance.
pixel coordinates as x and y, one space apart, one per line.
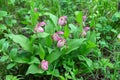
61 42
87 28
62 20
44 65
84 18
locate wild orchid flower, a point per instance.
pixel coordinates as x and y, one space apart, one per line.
39 28
84 18
84 33
61 42
60 32
56 36
87 28
44 65
62 20
42 23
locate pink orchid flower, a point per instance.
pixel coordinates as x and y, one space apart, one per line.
60 32
87 28
55 37
84 33
40 24
61 42
39 29
44 65
62 20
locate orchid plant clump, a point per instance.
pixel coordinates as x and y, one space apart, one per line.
57 36
48 45
59 40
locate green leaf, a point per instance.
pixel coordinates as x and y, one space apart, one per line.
5 46
11 2
74 30
3 13
11 65
13 53
48 41
42 35
41 52
87 60
34 69
72 45
53 56
34 15
113 30
11 77
92 23
10 22
55 72
2 27
78 15
66 31
106 63
53 18
3 58
79 19
49 28
91 36
117 14
87 47
61 78
34 60
1 43
111 65
22 59
23 41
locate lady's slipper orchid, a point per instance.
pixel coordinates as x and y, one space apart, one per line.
84 33
55 37
39 29
42 23
44 65
62 20
87 28
61 42
60 32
